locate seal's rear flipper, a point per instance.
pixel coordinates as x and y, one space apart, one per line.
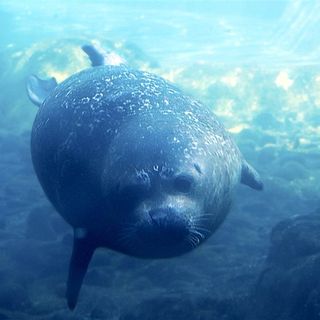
83 248
250 176
99 57
39 89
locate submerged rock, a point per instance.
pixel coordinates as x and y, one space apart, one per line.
289 287
3 316
185 308
266 120
14 297
295 238
38 226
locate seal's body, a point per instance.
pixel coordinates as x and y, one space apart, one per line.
131 163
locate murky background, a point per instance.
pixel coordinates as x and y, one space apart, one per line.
256 64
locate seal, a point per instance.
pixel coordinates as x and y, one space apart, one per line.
131 162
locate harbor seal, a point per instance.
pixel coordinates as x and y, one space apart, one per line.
131 162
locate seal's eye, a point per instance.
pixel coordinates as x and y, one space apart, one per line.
183 183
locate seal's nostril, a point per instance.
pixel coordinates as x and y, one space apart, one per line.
165 217
158 214
159 217
168 221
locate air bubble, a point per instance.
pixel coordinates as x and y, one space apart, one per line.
97 96
85 100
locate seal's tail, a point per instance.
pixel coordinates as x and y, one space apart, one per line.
83 250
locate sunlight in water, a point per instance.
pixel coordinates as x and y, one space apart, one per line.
283 81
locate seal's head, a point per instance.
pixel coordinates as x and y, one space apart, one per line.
155 180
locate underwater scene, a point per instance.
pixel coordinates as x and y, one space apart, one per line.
255 64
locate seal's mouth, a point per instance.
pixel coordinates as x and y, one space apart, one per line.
162 233
163 227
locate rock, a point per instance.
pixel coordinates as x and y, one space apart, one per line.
38 226
255 136
96 277
105 309
267 154
266 120
67 239
185 308
2 224
3 316
58 224
289 287
98 313
14 297
62 316
295 238
28 256
292 170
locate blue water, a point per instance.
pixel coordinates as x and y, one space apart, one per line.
255 63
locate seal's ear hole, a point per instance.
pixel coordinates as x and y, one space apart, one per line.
183 183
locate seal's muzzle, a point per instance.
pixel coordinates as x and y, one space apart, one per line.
164 227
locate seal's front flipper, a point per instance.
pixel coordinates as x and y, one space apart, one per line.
250 176
39 89
99 57
83 248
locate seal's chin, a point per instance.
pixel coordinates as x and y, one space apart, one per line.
162 233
